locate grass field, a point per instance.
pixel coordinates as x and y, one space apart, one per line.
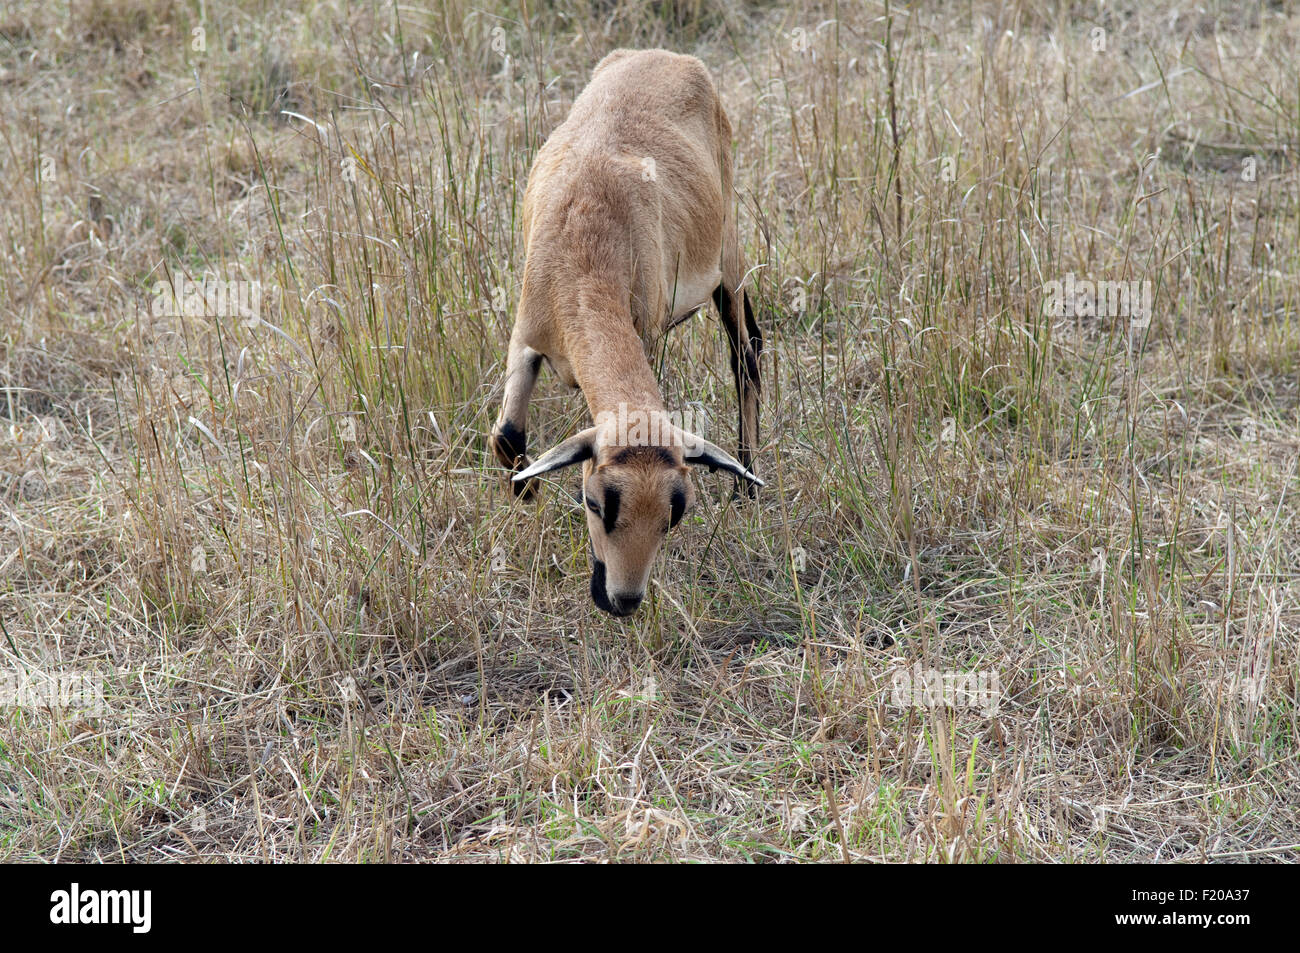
264 593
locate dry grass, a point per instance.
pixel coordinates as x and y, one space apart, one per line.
324 630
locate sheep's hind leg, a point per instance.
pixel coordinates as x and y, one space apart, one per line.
745 343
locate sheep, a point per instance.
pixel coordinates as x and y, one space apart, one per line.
629 228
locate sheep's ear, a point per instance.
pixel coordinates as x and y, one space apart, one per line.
701 453
579 447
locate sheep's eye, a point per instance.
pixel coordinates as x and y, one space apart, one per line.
593 506
678 504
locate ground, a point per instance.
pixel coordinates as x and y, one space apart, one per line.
265 594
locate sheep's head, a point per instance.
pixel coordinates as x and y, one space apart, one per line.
634 492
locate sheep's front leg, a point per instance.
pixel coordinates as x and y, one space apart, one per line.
509 437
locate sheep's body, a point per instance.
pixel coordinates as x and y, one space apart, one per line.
629 226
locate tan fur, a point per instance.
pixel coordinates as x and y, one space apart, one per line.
629 225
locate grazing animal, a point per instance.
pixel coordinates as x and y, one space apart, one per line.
629 227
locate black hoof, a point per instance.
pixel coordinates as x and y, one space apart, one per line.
744 490
525 490
509 445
